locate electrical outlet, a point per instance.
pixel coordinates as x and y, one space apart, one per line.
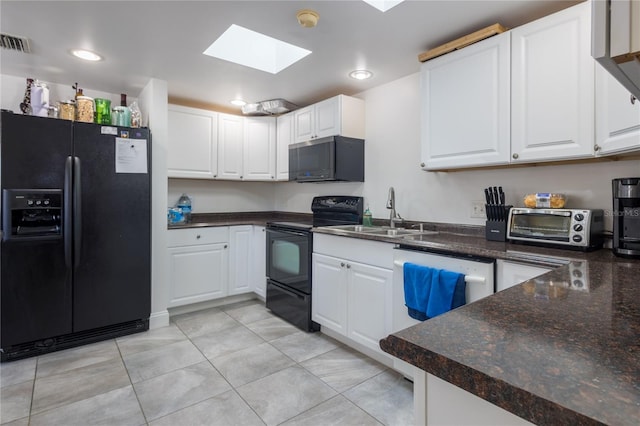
477 210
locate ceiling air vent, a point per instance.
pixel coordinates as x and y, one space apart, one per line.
21 44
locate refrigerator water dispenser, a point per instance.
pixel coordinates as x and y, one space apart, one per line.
31 214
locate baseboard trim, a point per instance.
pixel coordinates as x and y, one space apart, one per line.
158 319
192 307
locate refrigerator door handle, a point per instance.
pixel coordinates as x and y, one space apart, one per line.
77 212
68 211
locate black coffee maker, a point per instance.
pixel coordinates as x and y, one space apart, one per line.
626 217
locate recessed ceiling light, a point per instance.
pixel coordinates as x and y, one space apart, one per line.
361 74
87 55
238 102
255 50
383 5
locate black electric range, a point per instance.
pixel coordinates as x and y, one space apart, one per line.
289 251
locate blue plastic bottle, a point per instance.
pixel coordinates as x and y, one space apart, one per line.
184 204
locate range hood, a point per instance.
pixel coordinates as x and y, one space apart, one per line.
270 107
615 43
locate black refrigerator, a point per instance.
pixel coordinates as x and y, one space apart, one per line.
76 233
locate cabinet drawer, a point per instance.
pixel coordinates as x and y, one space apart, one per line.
376 253
198 236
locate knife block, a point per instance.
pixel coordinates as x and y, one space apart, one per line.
496 230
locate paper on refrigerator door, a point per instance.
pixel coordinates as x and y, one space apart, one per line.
131 155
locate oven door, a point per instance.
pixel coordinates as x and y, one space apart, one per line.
289 258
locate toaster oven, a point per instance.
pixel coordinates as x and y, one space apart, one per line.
576 229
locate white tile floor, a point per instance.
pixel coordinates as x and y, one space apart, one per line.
234 365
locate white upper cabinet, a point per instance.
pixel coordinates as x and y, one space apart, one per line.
552 87
230 144
340 115
259 148
193 143
466 106
284 137
617 116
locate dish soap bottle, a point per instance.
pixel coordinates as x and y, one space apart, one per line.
184 204
367 218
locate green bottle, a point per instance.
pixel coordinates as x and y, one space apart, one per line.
367 218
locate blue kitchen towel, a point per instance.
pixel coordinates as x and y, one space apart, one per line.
417 285
443 289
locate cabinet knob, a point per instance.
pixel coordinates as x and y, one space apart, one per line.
215 176
596 147
421 164
342 264
225 246
240 176
633 99
348 266
515 156
197 237
273 177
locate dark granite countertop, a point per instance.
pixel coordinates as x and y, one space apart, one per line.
242 218
548 354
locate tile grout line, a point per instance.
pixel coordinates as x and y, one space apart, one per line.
218 371
144 415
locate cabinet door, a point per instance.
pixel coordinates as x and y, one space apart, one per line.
304 126
617 116
259 261
240 259
259 148
512 273
284 137
230 144
369 302
197 273
466 106
553 87
329 293
327 118
193 143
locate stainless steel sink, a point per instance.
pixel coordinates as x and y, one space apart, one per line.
384 231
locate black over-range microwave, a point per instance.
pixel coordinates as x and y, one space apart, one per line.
334 158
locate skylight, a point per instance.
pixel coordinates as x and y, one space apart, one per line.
383 5
252 49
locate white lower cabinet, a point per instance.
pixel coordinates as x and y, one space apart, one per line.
211 263
368 303
258 263
198 265
351 297
329 293
512 273
239 259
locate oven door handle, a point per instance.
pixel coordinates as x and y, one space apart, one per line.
300 234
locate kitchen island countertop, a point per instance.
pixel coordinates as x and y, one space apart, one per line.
542 350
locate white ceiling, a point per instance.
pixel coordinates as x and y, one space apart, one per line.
165 40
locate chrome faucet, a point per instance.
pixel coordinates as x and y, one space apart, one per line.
391 205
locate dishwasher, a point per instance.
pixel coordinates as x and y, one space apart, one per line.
478 272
